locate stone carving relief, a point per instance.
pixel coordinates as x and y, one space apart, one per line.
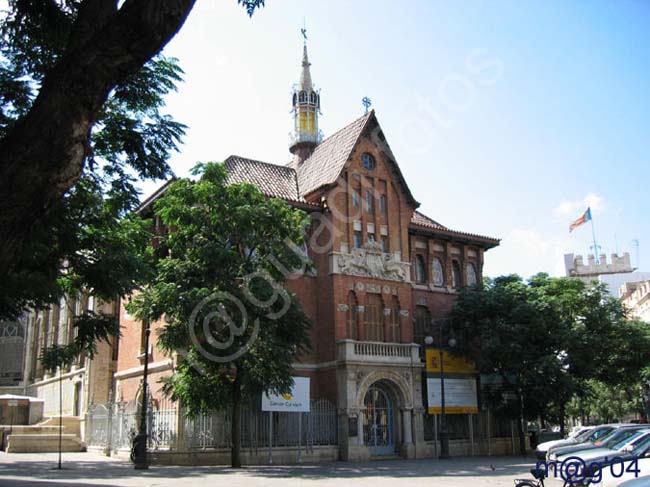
343 307
371 261
373 288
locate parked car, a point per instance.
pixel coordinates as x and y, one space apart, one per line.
612 451
614 475
608 469
614 437
574 437
591 435
640 482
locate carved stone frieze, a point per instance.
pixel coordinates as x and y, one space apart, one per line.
371 261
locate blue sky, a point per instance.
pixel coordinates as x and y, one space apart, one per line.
507 117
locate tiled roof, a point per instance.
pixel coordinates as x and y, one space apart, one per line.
326 163
420 220
424 221
272 180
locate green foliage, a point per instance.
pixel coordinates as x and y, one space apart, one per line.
89 239
218 286
549 338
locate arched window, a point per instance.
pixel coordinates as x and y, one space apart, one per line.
455 273
437 272
352 316
312 97
394 325
373 318
302 96
472 278
422 324
420 270
369 201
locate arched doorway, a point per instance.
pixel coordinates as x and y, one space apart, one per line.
378 422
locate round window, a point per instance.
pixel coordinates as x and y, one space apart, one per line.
368 162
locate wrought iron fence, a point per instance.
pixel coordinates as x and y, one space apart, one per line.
317 427
112 427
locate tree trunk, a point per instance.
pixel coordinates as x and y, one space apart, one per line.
235 452
43 155
520 425
562 419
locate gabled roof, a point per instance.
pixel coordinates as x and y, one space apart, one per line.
422 220
328 160
272 180
149 200
324 166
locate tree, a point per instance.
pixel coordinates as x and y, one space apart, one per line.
82 93
218 287
549 340
502 330
61 61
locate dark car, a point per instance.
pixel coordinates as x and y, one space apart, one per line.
594 435
607 441
642 450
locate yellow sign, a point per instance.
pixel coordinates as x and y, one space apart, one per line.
453 410
452 364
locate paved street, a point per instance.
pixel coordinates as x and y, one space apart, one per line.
86 469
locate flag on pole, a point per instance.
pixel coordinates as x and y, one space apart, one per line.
586 216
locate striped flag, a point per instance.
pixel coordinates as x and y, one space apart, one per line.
586 216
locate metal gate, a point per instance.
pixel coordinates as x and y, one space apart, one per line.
378 431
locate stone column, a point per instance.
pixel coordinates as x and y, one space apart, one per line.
406 422
360 428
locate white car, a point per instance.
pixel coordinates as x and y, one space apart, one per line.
542 448
612 475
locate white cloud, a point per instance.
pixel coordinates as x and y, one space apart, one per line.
530 241
576 207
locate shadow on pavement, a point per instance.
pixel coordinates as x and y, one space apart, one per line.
87 470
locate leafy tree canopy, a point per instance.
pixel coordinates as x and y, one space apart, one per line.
218 285
549 337
82 88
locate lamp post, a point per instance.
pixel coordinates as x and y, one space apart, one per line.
139 448
646 401
444 433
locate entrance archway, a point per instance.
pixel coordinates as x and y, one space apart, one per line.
378 421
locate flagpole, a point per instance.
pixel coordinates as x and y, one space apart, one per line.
593 233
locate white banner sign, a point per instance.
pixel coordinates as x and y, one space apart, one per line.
460 396
297 400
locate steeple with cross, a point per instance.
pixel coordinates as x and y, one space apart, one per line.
306 108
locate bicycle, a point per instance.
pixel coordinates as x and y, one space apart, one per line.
540 475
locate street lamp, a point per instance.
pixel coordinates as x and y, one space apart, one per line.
139 448
444 433
646 401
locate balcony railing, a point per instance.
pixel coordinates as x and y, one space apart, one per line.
394 353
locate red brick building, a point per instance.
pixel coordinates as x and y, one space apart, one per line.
383 272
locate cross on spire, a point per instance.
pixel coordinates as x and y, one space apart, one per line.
366 102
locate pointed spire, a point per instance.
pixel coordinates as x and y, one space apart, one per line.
305 75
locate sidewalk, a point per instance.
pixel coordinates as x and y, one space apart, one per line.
87 469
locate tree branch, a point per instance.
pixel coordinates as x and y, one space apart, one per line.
44 154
